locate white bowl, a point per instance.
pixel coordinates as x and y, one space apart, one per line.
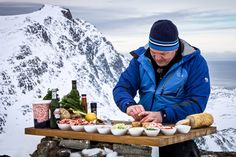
184 129
119 132
90 128
136 131
77 127
152 131
168 130
103 129
64 126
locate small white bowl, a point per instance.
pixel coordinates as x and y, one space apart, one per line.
77 127
184 129
152 131
119 132
90 128
168 130
136 131
103 129
64 126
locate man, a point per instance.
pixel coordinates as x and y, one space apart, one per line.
172 79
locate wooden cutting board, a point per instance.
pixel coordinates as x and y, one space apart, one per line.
160 140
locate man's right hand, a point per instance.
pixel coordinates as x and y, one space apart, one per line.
134 111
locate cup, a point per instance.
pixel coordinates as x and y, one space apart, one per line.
41 113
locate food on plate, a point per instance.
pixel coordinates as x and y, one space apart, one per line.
119 129
152 131
80 121
136 131
119 126
168 130
151 125
64 124
78 124
136 124
64 121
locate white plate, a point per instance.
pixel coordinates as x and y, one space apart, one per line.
64 126
168 130
119 132
184 129
153 132
103 129
77 127
90 128
136 131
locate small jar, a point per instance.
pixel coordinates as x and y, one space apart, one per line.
93 106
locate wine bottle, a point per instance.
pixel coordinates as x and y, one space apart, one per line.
74 88
53 109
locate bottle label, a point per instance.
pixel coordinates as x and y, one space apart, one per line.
54 95
49 114
57 113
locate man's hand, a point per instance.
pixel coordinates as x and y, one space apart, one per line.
134 111
149 116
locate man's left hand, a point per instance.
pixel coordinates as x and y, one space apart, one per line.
149 116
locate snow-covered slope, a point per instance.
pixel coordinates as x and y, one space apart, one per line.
48 48
222 104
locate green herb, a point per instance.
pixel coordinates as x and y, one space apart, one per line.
119 126
72 101
152 129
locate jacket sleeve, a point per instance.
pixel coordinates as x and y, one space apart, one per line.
197 91
127 86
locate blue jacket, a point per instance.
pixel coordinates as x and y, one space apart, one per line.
184 89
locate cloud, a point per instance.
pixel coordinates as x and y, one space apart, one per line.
208 24
14 8
116 19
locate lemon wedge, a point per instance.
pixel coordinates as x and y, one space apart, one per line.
90 116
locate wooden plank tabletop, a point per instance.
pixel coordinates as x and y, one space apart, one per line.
160 140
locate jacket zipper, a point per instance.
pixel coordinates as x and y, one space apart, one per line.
167 79
162 90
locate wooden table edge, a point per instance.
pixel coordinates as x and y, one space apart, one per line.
160 140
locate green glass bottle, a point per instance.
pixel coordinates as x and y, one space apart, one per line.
54 106
74 87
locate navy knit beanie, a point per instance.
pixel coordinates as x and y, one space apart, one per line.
164 36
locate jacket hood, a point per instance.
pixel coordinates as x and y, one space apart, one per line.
187 48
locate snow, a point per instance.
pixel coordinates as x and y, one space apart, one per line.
222 104
13 142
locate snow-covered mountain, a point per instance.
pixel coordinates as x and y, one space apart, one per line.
222 104
47 49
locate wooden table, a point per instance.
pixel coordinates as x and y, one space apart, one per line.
160 140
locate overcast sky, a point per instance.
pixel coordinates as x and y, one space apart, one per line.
207 24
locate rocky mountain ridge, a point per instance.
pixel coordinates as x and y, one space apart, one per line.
48 48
